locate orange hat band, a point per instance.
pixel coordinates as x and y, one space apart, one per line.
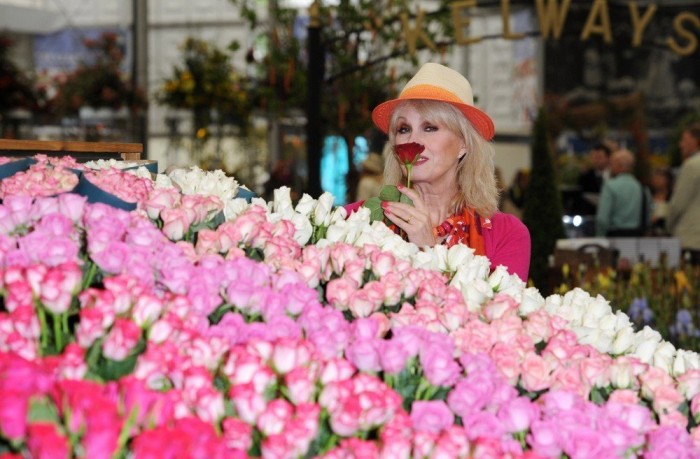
427 91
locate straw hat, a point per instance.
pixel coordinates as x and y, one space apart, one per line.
437 82
373 163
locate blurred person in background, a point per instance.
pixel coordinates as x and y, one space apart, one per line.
591 181
625 204
371 177
684 208
514 198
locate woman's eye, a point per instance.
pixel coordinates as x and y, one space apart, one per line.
403 130
431 128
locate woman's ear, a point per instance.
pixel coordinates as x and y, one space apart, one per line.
462 152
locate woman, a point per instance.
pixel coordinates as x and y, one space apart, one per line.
454 190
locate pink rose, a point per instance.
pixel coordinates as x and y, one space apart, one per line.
339 292
517 414
237 434
121 340
536 373
433 416
45 442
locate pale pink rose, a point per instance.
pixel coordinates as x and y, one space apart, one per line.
339 292
536 373
364 354
121 339
248 402
499 307
336 370
476 338
695 436
176 223
652 379
439 366
674 419
300 383
624 396
518 414
361 304
508 329
432 416
159 199
508 360
666 398
568 378
539 325
689 383
273 419
595 370
237 434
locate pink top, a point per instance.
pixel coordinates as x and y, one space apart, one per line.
507 242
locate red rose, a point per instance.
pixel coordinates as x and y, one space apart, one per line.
408 152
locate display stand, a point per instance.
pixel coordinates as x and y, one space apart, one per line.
81 151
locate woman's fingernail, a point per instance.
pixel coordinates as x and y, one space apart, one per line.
384 204
399 186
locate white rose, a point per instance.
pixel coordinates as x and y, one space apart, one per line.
338 215
622 320
531 301
457 255
234 207
623 341
607 322
140 172
475 293
664 355
514 288
439 252
282 202
334 233
163 181
499 278
425 260
305 205
679 368
322 212
553 303
599 339
260 202
692 360
595 310
303 229
621 375
646 343
361 216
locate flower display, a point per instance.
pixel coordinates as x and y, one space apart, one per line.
262 336
46 177
125 186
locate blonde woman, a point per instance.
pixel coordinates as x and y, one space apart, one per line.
454 191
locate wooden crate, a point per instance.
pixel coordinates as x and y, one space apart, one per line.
81 151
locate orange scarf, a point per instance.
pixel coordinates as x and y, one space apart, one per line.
467 228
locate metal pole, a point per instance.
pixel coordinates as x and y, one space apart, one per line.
314 134
139 68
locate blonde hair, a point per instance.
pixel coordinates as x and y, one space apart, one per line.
476 178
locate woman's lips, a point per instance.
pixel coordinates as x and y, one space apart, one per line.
421 160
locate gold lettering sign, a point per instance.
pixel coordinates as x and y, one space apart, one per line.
685 33
599 9
460 22
640 24
552 17
505 16
412 35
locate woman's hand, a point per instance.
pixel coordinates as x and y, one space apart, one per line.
414 220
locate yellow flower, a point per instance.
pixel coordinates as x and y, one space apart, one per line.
682 282
201 133
603 280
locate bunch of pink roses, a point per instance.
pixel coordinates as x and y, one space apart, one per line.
125 186
39 180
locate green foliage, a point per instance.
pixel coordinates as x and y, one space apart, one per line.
543 208
205 82
100 84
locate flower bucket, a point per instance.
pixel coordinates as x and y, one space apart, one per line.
12 166
95 194
246 194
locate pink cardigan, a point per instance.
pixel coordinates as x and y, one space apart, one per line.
507 243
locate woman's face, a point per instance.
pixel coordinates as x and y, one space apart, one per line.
438 162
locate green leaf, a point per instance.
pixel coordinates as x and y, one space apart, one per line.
375 206
406 199
42 410
390 193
